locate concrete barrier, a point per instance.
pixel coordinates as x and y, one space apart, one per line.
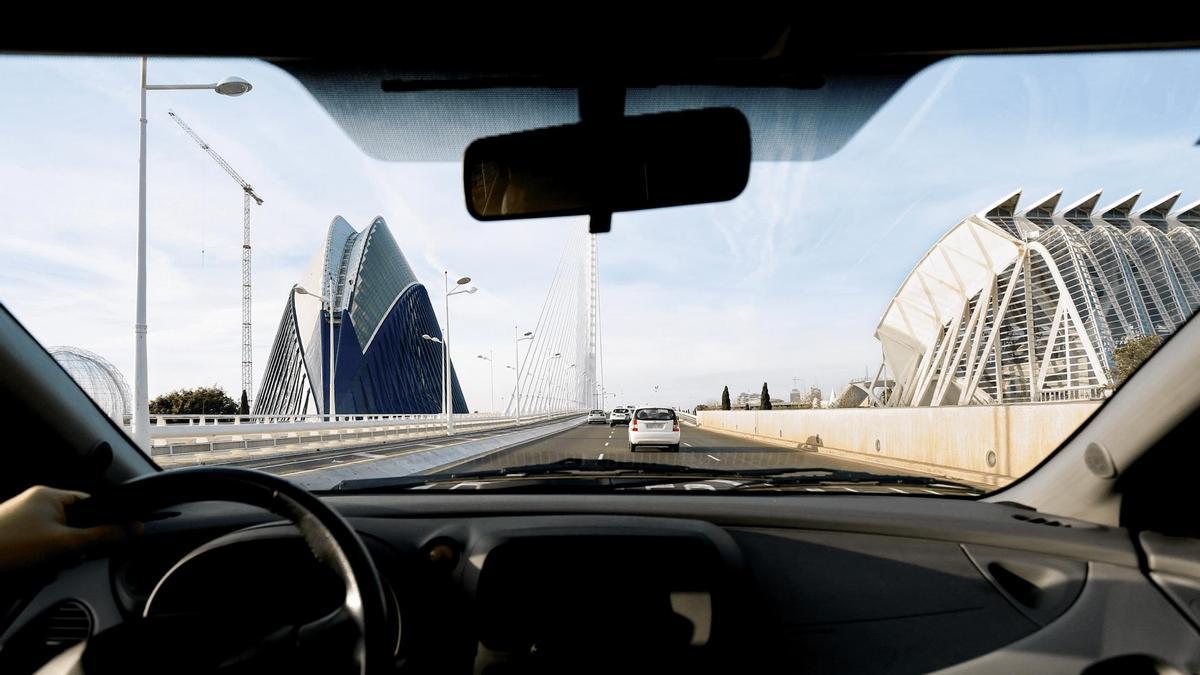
993 445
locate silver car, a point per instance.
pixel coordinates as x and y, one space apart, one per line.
597 416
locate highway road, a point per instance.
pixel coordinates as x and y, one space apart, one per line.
697 448
291 464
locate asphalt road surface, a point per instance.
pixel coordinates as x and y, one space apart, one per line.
306 462
697 448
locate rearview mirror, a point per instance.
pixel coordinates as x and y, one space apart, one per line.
627 164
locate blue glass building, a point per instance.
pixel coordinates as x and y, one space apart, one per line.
380 311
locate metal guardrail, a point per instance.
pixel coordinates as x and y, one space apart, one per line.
174 434
687 417
159 421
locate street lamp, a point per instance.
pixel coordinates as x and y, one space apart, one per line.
557 355
517 339
492 375
230 86
327 304
447 395
574 400
426 336
432 339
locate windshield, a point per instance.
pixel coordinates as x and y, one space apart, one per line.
945 296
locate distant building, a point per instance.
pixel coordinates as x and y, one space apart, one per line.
380 311
796 396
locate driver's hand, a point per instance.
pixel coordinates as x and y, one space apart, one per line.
34 530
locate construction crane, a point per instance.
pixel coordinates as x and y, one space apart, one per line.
247 194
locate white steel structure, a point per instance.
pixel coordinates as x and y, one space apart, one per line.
563 367
248 193
1017 306
99 378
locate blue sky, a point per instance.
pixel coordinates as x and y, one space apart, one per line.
787 281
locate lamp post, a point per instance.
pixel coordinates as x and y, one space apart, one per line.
326 304
574 400
492 376
517 339
426 336
447 393
557 355
512 368
230 86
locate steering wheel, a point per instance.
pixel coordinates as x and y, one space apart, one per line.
179 640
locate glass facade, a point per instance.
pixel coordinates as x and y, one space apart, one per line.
381 276
382 365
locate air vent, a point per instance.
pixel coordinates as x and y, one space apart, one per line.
67 623
1038 520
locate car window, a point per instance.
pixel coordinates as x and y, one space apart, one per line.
999 243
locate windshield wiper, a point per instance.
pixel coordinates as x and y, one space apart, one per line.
564 467
575 467
832 476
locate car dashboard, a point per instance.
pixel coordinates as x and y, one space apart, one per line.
493 583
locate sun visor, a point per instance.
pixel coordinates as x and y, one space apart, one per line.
408 117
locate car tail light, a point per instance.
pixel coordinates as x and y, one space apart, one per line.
676 427
633 426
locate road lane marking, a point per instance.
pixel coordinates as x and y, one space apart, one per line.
898 490
606 444
688 444
601 454
713 458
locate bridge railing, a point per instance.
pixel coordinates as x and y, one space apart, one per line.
176 434
687 417
160 421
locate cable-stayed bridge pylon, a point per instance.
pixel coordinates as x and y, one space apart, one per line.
562 369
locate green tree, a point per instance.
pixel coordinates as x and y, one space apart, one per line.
244 406
199 401
764 400
1132 353
725 399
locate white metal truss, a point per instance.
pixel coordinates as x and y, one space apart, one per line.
248 193
1025 306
